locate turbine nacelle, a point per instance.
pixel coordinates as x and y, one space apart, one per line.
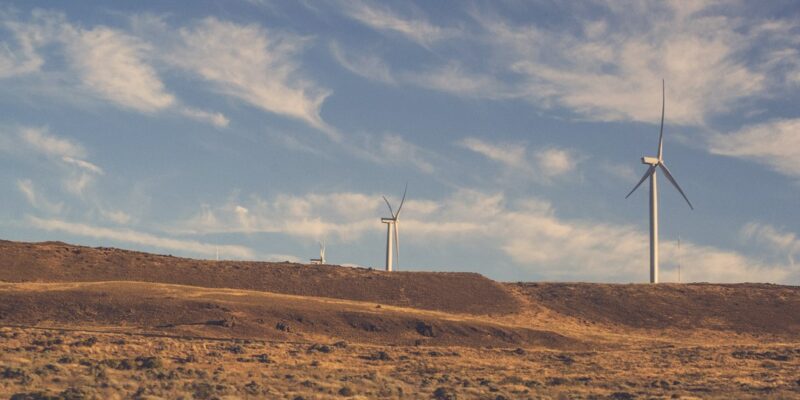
388 220
650 161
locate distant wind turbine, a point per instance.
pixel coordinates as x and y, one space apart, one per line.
655 163
392 230
321 259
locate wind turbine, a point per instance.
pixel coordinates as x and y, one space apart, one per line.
392 230
321 259
655 163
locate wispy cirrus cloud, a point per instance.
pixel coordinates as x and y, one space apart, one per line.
379 17
36 199
604 72
528 231
775 239
775 144
542 164
596 67
111 64
140 238
253 64
102 62
67 154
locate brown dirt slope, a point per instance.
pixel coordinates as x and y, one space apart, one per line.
139 307
738 308
450 292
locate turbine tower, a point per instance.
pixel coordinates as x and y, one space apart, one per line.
392 230
321 259
655 163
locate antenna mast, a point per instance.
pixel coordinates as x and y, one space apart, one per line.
679 258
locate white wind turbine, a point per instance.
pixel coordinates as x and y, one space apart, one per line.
321 259
655 163
392 230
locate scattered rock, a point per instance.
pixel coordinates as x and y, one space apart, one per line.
88 342
148 362
235 349
346 391
72 394
340 344
225 323
621 396
426 330
519 351
33 396
282 326
442 393
754 355
320 348
262 358
379 356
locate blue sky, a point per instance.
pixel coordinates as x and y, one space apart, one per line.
260 127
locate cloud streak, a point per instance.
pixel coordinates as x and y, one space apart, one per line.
775 144
527 231
255 65
542 164
139 238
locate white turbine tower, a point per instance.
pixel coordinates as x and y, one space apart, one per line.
392 230
321 259
655 163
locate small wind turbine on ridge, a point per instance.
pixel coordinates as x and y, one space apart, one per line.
321 259
392 230
655 163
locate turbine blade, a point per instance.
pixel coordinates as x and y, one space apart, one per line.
675 183
645 176
397 243
661 132
388 205
402 201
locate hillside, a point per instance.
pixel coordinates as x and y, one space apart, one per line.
79 322
444 291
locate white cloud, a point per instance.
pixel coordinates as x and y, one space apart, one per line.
215 118
380 18
542 164
22 57
775 144
367 66
527 231
104 63
83 164
604 72
68 155
116 216
35 199
393 149
255 65
314 216
553 162
531 234
140 238
512 155
453 78
40 140
111 64
776 240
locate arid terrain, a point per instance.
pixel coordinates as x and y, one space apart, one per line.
79 322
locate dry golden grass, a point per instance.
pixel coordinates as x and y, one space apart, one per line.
258 330
74 365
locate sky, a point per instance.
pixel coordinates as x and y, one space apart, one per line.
258 128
